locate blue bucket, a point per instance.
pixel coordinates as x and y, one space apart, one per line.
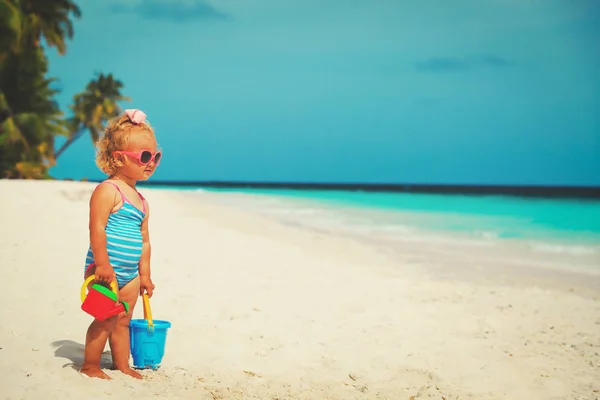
148 347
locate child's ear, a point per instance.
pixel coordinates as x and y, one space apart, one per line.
119 159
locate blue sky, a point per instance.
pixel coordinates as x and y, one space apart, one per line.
421 91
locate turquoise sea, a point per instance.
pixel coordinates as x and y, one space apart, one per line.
554 226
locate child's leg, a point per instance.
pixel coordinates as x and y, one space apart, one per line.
95 341
119 337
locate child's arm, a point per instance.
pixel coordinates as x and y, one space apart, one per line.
144 265
101 205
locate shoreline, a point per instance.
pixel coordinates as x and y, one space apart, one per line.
264 310
395 214
524 261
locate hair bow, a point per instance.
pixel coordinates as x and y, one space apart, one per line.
136 116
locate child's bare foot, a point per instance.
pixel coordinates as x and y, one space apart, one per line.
128 371
94 372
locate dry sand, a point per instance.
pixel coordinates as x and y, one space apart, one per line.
266 311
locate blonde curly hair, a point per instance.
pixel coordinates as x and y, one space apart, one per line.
116 137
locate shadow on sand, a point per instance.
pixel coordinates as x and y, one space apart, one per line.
73 351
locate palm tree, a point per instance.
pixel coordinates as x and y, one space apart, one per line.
93 107
10 27
29 118
23 23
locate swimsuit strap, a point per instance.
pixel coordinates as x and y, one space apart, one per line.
143 201
125 199
118 188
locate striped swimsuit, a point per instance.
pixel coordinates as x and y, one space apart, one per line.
123 240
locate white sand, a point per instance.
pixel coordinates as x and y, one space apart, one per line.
264 311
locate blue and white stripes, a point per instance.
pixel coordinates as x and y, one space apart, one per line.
123 242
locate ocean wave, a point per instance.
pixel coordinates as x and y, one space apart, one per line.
386 229
295 211
554 248
488 235
454 229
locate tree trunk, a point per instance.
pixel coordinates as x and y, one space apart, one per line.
66 144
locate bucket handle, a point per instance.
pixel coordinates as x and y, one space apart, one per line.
148 312
90 278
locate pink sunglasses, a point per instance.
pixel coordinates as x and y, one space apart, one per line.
144 156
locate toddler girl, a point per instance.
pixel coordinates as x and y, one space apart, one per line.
119 243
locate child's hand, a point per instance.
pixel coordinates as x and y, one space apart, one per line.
105 274
146 285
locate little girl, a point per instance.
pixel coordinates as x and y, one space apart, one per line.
119 242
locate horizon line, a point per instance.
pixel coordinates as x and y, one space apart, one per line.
523 190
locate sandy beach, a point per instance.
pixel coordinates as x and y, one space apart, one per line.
260 310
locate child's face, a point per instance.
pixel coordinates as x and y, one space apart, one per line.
132 167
